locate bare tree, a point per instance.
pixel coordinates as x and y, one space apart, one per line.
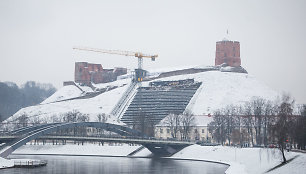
268 120
217 126
300 129
187 123
248 120
173 121
230 114
102 118
76 116
56 119
82 118
36 121
22 120
282 124
258 110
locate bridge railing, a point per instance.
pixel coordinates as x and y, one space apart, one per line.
54 136
123 137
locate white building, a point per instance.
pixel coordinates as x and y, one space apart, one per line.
199 130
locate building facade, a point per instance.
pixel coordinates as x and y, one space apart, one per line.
228 52
198 130
87 73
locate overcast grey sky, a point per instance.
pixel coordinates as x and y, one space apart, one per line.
37 36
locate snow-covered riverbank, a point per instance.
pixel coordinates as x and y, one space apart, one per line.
246 160
4 163
241 160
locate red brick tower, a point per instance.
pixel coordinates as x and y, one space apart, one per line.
228 52
84 72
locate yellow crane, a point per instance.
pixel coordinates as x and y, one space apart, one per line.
139 55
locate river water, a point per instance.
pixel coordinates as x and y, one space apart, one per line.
115 165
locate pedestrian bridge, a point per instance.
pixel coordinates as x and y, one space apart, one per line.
15 139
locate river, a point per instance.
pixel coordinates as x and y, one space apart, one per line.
115 165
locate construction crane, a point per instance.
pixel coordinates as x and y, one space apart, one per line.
139 73
139 55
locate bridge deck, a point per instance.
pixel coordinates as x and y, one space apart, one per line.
107 139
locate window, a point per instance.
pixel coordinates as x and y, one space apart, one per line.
161 130
203 131
195 131
168 131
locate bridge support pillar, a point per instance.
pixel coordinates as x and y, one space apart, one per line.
164 150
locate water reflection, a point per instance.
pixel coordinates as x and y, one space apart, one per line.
116 165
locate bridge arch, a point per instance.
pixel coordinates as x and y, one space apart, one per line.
33 132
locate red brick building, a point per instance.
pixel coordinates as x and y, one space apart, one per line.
87 73
228 52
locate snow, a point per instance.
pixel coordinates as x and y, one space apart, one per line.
227 68
74 149
202 120
244 160
220 89
241 160
64 93
86 89
120 82
4 163
102 103
297 166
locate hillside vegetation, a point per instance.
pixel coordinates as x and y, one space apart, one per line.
13 98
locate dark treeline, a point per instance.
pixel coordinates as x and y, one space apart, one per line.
13 98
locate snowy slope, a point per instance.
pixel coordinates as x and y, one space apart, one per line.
218 90
64 93
244 160
102 103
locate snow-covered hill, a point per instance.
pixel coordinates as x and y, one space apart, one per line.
64 93
218 90
102 103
